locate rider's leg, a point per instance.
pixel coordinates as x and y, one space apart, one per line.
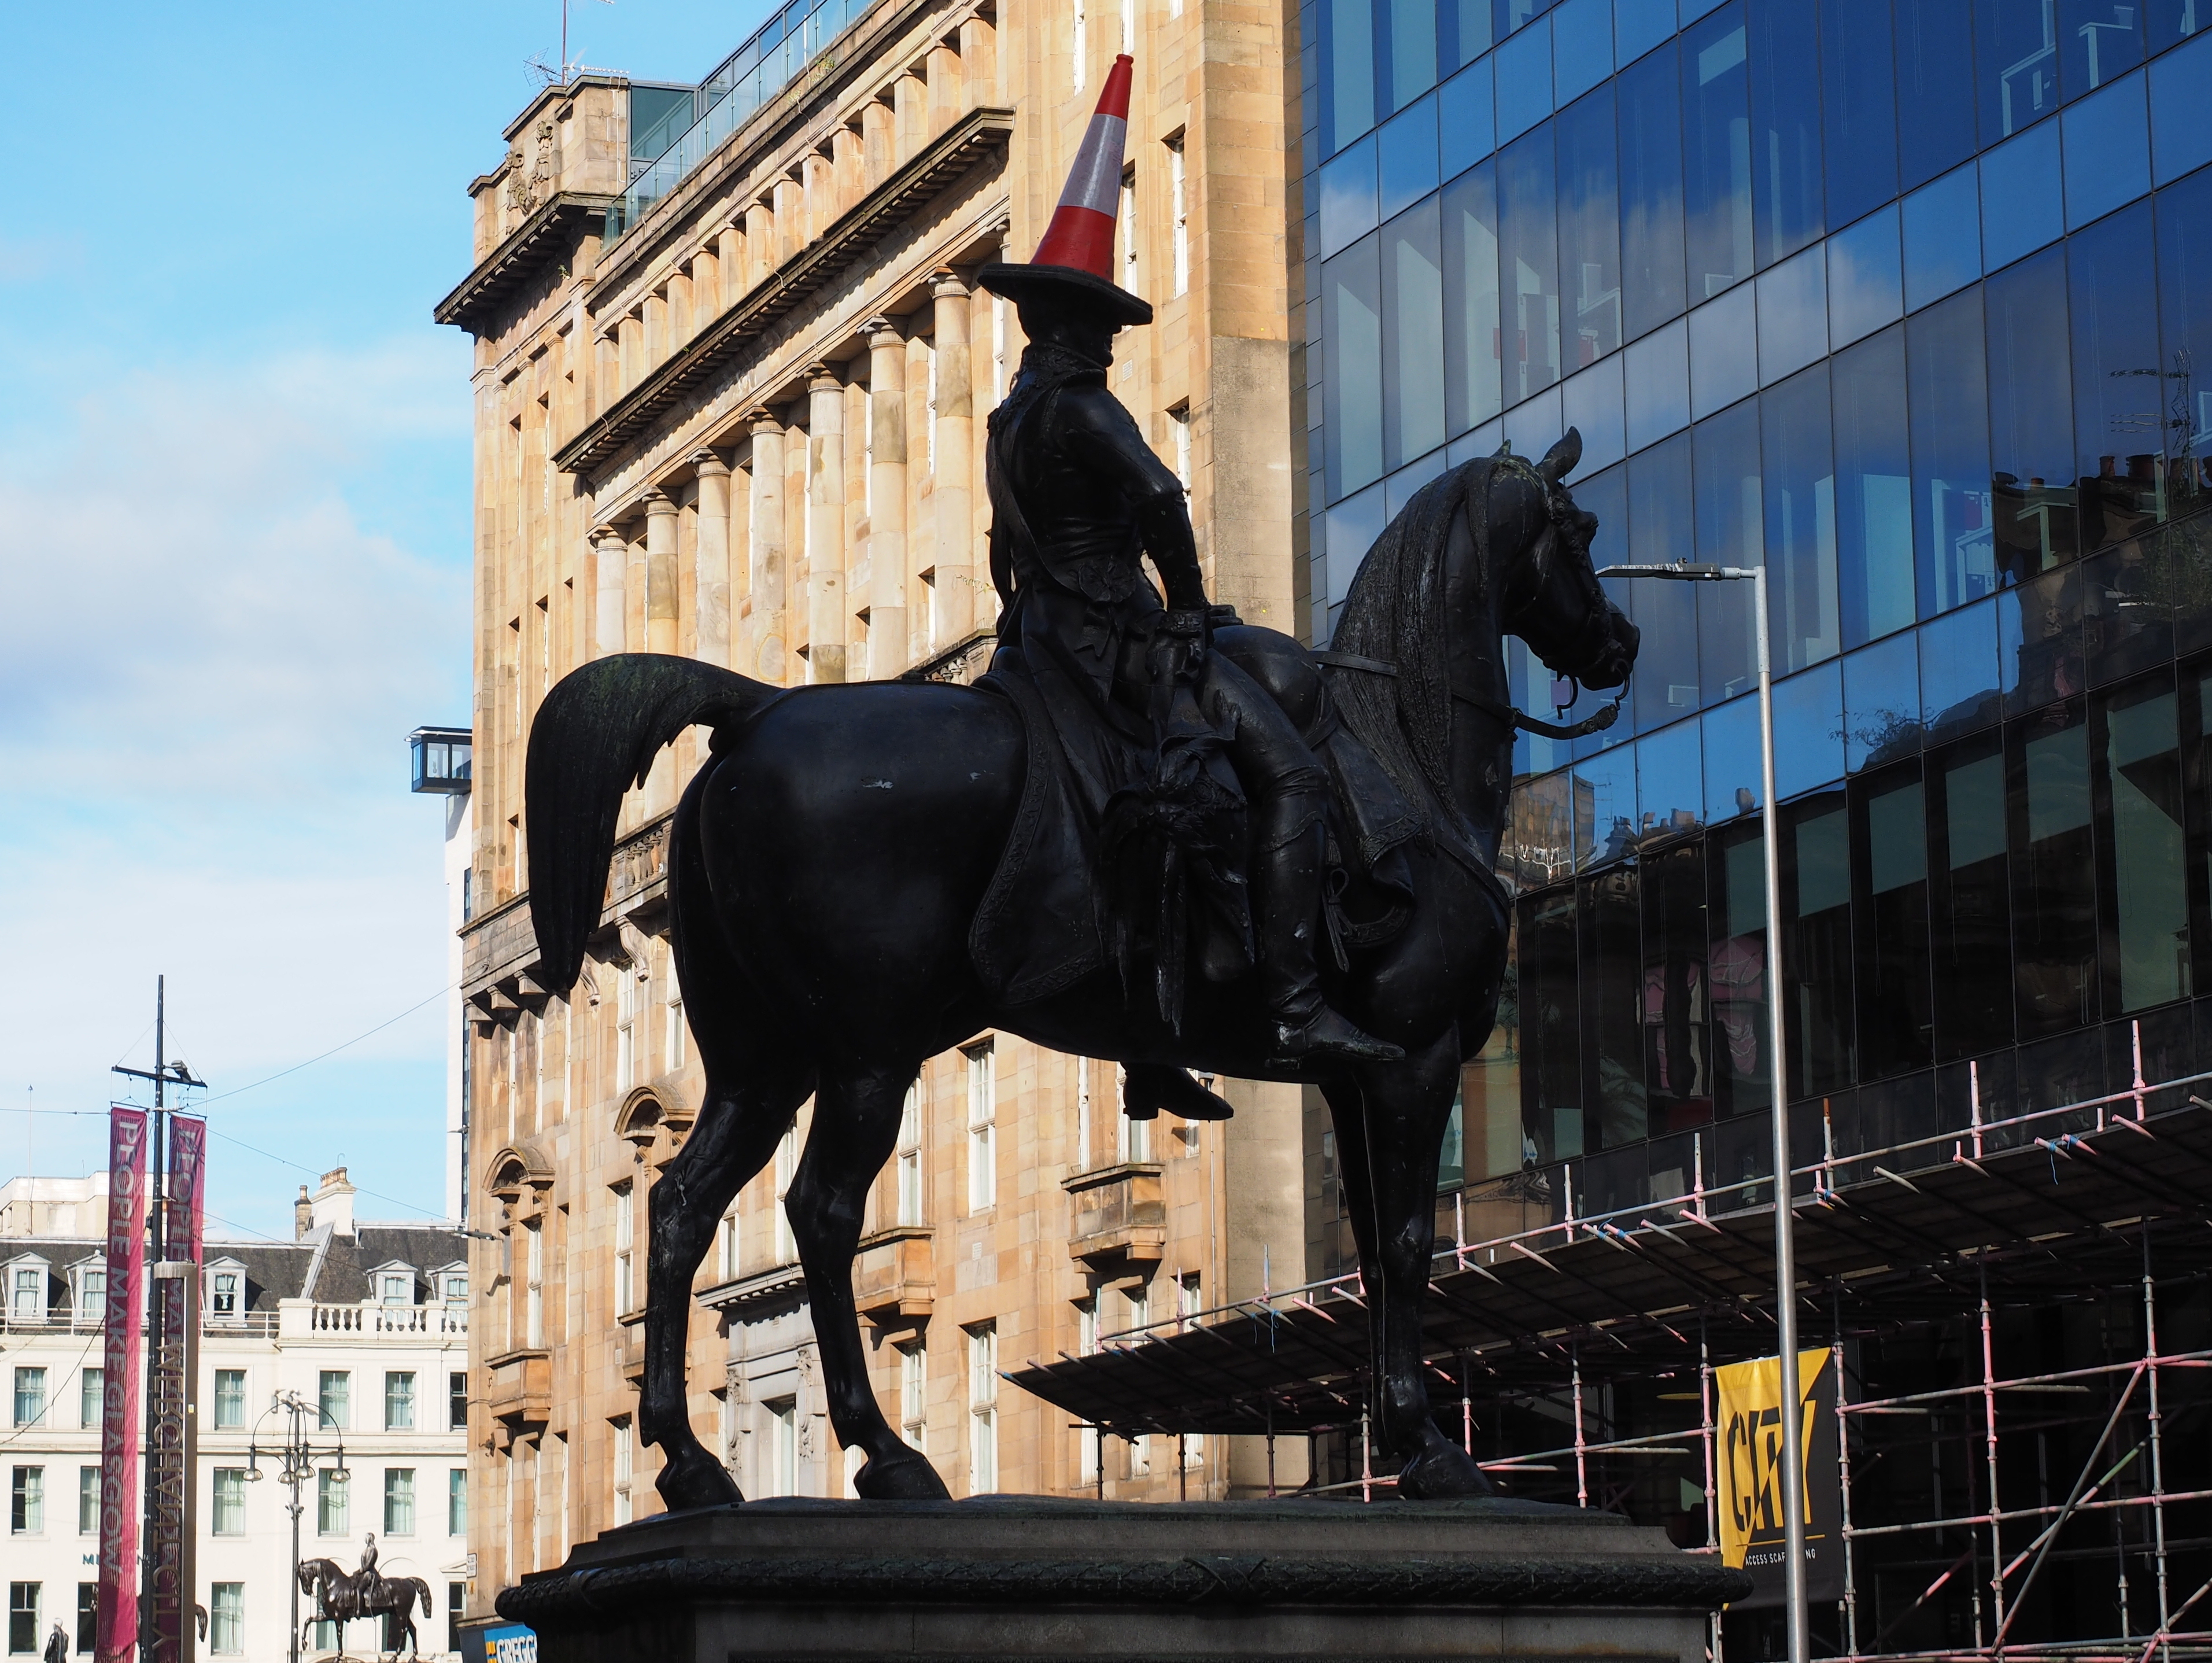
1288 792
1149 1087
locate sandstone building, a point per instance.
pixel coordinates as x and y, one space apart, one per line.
731 374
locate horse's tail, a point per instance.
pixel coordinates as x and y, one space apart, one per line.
422 1589
595 736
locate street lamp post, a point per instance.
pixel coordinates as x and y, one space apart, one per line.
1785 1245
296 1461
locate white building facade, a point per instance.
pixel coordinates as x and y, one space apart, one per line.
366 1322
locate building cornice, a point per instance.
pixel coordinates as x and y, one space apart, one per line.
980 133
546 236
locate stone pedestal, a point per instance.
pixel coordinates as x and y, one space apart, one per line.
1032 1578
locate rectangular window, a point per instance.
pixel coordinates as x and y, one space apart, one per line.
399 1401
782 1474
1787 192
87 1500
87 1616
1125 230
1179 431
1178 217
1934 86
229 1398
618 1431
1473 389
2054 873
457 1501
227 1619
1896 1010
982 1127
30 1397
400 1501
983 1409
786 1169
1590 231
92 1397
1970 898
224 1303
1874 489
1412 304
331 1512
533 1235
396 1289
456 1402
28 1304
626 980
625 1247
27 1500
1717 148
229 1512
2031 404
1352 345
909 1156
24 1618
456 1596
913 1393
1529 265
2144 869
334 1400
1134 1138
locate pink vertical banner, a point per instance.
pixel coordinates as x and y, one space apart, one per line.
187 1185
119 1420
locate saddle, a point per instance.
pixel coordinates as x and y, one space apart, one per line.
1150 871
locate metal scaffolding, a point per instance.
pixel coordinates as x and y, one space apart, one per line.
1974 1510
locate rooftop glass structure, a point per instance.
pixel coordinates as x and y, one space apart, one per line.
1913 304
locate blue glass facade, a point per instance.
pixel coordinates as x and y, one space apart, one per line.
1914 305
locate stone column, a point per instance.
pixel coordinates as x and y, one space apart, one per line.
825 526
659 572
955 576
887 622
613 559
713 558
765 564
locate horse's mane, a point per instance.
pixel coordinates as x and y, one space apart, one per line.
1395 613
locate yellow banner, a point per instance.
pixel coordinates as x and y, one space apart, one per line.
1748 1449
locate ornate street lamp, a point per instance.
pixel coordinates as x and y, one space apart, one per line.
296 1460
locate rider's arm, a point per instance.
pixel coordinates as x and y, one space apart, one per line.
1098 432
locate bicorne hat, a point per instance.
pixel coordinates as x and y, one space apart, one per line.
1074 262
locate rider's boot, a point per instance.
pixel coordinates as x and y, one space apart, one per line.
1149 1087
1291 847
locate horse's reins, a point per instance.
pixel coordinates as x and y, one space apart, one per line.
1505 713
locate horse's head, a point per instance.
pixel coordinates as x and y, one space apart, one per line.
1552 598
310 1573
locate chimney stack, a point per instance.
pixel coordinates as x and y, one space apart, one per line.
333 1203
303 1215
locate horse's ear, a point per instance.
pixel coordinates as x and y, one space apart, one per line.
1561 458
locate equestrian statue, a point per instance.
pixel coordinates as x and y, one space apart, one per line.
1150 833
342 1596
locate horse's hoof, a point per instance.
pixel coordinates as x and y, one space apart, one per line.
902 1478
694 1478
1439 1471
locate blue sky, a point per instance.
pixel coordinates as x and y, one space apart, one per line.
234 502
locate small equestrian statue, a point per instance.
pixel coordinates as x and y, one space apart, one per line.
342 1597
1152 833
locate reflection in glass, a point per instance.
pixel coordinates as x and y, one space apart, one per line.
1970 903
1413 303
1730 525
1874 489
1590 229
1412 58
1809 731
1348 49
1935 86
1735 882
1527 266
2040 655
1799 504
2023 197
1347 198
2107 151
1793 315
1723 352
1523 68
2031 417
1732 766
1670 789
2016 63
1606 783
1650 192
1665 685
1881 703
1942 227
1896 1011
1951 531
2099 42
1656 377
1858 102
1550 1010
1467 126
2139 760
1865 286
2181 114
1717 151
1591 402
1672 997
1582 47
2185 312
1471 388
1352 325
1958 671
1613 1035
1463 31
2117 389
2054 888
1638 25
1816 899
1785 148
1406 154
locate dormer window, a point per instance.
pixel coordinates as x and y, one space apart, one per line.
225 1294
396 1289
456 1287
27 1291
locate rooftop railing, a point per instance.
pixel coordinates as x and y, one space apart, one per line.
770 60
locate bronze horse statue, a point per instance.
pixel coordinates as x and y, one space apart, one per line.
826 863
340 1597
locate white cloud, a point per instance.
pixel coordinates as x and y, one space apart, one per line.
208 662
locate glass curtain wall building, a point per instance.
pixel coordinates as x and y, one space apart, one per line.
1912 303
1916 308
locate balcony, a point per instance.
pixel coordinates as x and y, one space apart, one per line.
520 1391
895 1275
1118 1213
412 1325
